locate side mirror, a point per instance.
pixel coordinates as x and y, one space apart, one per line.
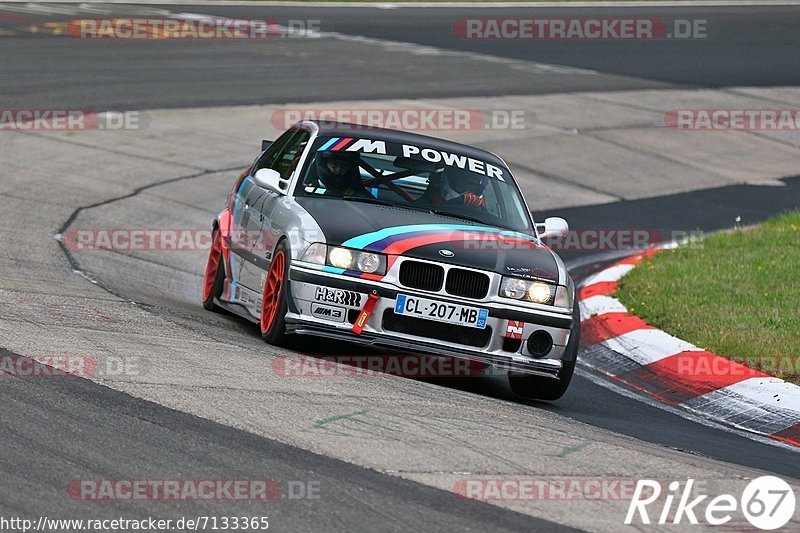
265 144
269 179
553 227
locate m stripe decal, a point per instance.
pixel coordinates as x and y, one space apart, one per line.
342 144
328 144
361 242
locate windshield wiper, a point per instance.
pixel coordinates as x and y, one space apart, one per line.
458 215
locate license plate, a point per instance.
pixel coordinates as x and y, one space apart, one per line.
440 311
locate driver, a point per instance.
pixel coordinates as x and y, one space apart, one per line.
463 188
338 173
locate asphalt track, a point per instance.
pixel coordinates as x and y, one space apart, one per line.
58 430
746 46
150 441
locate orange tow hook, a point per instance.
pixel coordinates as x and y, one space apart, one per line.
365 313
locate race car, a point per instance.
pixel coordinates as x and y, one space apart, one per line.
396 240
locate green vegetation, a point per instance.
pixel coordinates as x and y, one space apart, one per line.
736 294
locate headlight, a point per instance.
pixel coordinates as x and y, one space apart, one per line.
340 258
368 262
528 290
513 288
539 293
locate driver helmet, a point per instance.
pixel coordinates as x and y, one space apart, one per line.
338 170
462 183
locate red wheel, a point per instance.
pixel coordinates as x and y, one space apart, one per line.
273 300
215 273
273 289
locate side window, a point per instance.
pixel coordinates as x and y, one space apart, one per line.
492 205
289 157
268 158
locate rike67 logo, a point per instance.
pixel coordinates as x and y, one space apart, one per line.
767 502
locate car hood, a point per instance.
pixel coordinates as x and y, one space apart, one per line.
398 231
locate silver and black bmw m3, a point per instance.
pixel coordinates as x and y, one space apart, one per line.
396 240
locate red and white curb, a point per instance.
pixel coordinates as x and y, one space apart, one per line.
625 348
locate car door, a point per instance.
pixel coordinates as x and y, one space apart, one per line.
247 219
269 229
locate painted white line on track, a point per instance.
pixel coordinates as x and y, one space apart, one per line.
412 48
388 45
419 49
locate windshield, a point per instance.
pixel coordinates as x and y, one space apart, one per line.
414 177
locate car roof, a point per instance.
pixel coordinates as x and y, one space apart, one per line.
345 129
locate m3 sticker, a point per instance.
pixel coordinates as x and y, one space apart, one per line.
327 312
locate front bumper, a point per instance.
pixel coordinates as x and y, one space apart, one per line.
330 314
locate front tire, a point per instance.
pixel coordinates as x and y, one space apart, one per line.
273 299
549 389
215 274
